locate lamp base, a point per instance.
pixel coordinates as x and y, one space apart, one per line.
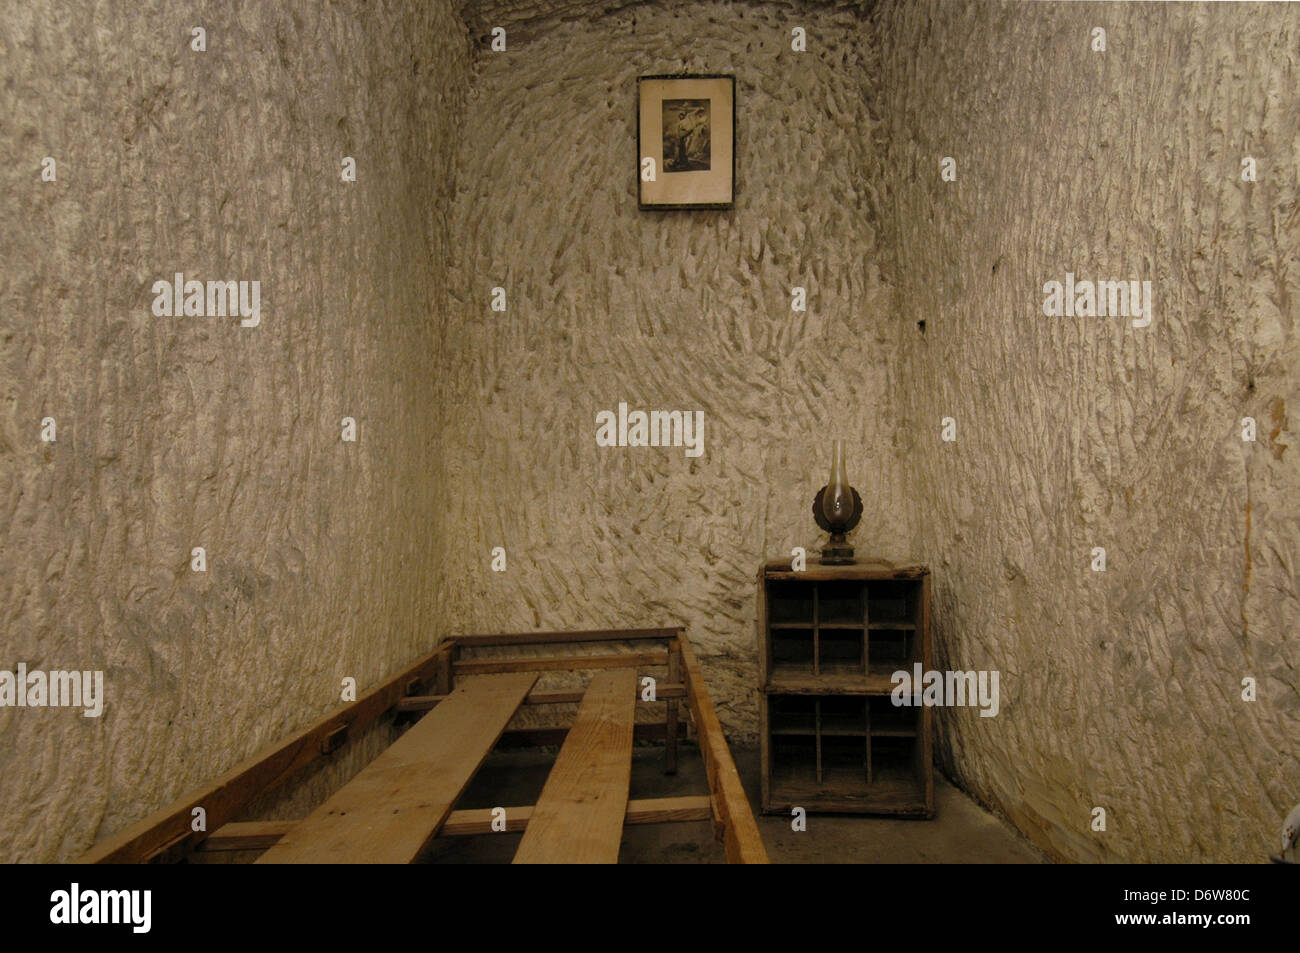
838 552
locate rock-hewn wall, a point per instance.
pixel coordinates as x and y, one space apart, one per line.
193 431
663 310
1120 689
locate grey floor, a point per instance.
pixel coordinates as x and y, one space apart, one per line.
961 833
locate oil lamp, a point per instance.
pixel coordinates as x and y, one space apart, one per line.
837 508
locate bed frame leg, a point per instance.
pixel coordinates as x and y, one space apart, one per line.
443 683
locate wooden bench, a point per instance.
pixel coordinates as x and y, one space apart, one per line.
395 806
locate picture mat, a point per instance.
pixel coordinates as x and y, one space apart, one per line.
713 187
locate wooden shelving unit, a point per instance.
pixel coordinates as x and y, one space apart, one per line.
830 638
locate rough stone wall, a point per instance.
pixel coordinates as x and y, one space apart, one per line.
1120 689
477 428
663 310
181 432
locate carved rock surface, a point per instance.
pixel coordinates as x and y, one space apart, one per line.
181 432
665 311
1120 689
517 170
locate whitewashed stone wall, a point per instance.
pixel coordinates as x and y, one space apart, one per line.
1120 689
663 310
476 170
181 432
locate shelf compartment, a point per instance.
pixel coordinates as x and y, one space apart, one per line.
793 651
789 603
893 648
843 715
839 603
893 601
792 715
893 721
840 650
882 672
895 759
844 763
794 759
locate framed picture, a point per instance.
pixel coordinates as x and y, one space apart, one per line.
686 141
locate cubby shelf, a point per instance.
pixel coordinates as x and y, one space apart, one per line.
830 640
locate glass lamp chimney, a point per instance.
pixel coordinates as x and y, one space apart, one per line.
837 502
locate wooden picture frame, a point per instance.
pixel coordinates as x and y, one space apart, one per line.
686 133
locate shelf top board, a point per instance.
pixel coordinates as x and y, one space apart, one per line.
816 572
830 684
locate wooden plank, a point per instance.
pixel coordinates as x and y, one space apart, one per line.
259 835
479 821
394 807
442 680
763 633
520 737
646 811
224 797
864 594
570 663
763 628
663 810
246 835
838 684
816 632
817 737
413 703
895 795
425 702
579 817
552 638
670 716
764 752
927 726
740 830
779 569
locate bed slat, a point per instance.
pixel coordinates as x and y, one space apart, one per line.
579 817
394 807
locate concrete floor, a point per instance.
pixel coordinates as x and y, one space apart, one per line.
961 832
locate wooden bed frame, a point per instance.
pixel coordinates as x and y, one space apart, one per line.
396 805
